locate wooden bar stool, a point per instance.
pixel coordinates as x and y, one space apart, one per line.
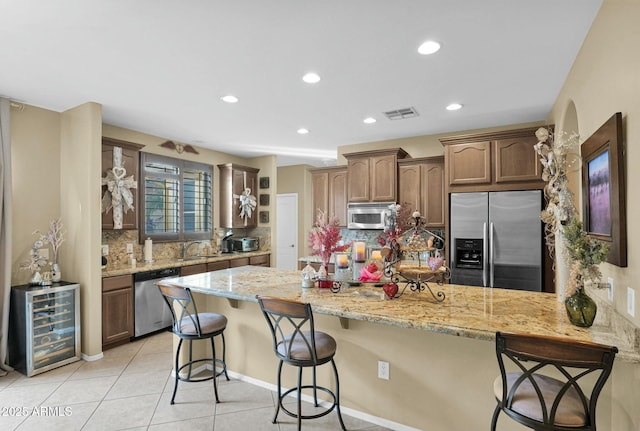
548 391
190 325
297 343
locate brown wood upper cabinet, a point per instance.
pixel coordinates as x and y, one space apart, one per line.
421 186
372 175
329 192
130 162
234 179
492 161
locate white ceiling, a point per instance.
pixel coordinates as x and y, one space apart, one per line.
161 66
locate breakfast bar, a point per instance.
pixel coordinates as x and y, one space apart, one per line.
429 369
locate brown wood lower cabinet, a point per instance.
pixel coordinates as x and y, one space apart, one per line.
240 261
117 310
264 260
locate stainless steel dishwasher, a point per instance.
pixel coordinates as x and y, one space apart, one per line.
151 312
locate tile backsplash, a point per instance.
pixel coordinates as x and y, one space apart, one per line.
117 240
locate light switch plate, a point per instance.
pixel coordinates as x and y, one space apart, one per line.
129 248
43 253
105 249
631 301
610 289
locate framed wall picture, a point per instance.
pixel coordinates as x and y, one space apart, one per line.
264 200
603 189
264 182
264 216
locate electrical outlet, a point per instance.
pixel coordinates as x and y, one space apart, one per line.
631 302
383 370
105 249
43 253
129 247
610 290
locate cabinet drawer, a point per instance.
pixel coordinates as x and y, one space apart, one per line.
263 260
216 266
233 263
117 282
193 269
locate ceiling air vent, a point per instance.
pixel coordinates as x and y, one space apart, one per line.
401 114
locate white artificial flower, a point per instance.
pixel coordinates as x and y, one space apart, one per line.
542 134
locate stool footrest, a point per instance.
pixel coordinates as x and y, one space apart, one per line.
319 415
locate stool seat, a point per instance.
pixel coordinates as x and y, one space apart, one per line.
525 400
209 323
299 350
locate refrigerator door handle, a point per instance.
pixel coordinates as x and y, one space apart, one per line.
491 256
484 254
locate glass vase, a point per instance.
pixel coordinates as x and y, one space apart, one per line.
581 309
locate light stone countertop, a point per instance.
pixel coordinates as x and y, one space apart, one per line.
467 311
114 270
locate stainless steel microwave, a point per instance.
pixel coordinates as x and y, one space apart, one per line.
373 215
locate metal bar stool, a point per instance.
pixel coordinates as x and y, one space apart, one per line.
554 399
297 343
190 325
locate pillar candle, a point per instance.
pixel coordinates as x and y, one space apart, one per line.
343 261
376 255
358 251
148 250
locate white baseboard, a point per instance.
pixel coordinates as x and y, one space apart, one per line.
92 357
376 420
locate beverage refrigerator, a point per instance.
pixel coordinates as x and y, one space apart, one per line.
497 239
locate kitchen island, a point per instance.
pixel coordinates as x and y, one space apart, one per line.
437 381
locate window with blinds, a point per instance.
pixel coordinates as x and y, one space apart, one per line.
176 199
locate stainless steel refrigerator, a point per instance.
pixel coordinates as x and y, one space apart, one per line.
497 239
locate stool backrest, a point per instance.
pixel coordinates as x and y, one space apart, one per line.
564 359
289 320
182 306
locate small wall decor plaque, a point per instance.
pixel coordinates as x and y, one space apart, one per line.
264 200
264 182
264 216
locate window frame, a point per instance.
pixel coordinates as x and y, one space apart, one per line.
181 165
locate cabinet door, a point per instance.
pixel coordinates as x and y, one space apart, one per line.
409 187
516 160
358 180
383 173
117 316
130 160
432 182
117 310
319 194
338 196
470 163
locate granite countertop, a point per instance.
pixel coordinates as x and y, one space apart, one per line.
467 311
113 270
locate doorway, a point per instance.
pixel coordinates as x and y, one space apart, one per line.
287 231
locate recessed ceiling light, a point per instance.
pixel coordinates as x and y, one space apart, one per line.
429 47
229 99
454 107
303 131
311 78
369 120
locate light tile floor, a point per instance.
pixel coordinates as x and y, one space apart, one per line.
130 388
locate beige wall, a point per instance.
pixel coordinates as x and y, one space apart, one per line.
35 165
604 80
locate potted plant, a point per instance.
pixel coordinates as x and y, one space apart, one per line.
323 240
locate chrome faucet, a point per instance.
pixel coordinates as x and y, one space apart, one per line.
186 246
